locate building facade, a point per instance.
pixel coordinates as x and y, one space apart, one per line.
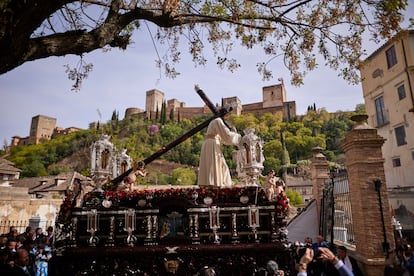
387 86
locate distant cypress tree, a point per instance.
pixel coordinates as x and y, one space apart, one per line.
113 117
172 114
163 113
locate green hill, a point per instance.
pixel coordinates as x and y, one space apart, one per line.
285 143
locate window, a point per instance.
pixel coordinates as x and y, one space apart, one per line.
400 135
401 92
380 111
396 162
391 57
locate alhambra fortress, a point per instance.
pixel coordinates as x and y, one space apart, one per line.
273 101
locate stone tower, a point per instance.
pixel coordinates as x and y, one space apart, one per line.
41 128
274 95
234 102
154 100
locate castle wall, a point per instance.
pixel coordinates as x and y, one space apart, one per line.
257 109
131 111
191 112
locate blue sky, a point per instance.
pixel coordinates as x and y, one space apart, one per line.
120 80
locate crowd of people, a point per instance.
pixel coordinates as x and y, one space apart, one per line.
26 253
316 259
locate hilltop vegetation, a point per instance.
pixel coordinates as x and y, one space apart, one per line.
285 143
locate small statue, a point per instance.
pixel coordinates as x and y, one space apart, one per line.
129 180
280 186
270 186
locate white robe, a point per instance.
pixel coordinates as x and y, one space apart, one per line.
213 169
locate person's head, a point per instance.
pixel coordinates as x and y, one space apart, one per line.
3 240
342 250
30 234
39 231
308 241
13 232
29 244
272 267
11 244
20 239
319 239
28 229
21 257
43 242
50 230
207 271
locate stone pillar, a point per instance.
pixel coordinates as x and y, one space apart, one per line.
319 171
365 166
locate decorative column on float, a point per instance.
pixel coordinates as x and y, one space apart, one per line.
371 214
319 170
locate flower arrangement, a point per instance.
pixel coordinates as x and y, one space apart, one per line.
282 205
219 195
194 195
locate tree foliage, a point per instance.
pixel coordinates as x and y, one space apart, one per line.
295 198
184 176
297 31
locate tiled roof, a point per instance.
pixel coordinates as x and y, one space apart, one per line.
47 183
7 167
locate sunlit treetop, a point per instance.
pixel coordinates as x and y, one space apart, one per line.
300 34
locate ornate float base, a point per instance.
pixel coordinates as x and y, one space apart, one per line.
173 232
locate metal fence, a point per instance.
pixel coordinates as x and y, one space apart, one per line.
19 224
336 215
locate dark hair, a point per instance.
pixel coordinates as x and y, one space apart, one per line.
343 248
27 242
4 252
9 240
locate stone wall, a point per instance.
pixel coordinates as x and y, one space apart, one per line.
17 205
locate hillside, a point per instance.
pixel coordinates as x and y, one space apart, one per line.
285 143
